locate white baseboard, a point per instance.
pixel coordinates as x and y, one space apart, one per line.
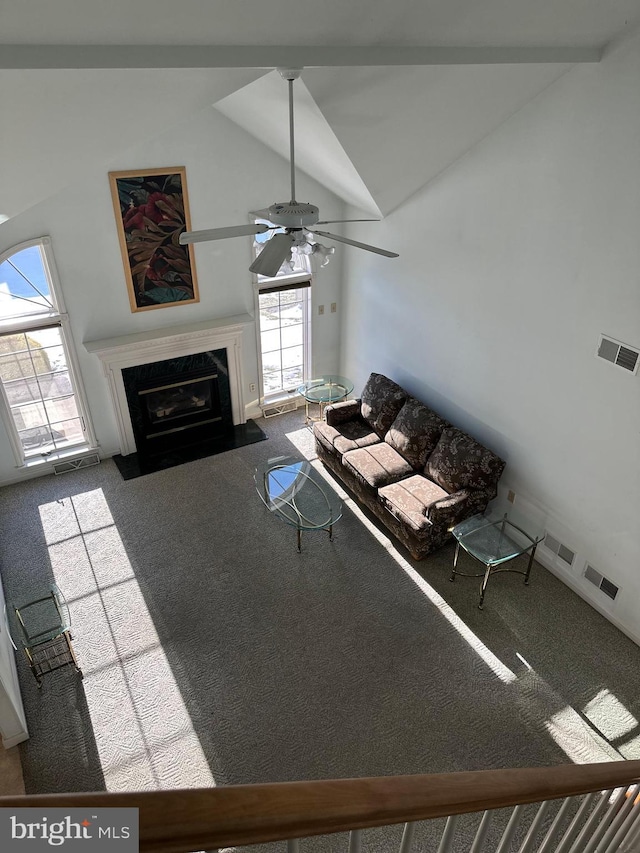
14 740
569 580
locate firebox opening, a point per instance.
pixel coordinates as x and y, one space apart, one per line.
179 402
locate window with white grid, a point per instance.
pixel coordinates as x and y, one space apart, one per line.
39 400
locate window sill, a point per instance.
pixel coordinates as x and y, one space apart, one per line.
68 453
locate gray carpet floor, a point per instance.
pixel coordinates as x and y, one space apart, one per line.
214 653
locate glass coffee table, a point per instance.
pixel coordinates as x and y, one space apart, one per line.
494 542
322 391
294 491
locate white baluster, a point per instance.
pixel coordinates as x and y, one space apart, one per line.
481 834
355 841
628 828
618 820
293 845
575 825
510 831
447 835
612 811
407 838
593 824
534 829
556 826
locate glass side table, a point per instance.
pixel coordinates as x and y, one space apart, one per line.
494 542
41 627
322 391
297 494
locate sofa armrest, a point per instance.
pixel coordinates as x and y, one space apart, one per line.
340 413
452 509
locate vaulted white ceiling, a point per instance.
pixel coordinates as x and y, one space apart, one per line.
74 93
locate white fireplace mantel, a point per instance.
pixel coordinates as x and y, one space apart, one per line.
173 342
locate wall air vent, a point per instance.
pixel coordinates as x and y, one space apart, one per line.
561 551
599 580
619 354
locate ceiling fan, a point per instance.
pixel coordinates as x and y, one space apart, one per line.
298 219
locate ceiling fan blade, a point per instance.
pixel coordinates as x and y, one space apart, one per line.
336 221
270 259
355 243
221 233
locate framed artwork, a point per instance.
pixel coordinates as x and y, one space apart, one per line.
152 210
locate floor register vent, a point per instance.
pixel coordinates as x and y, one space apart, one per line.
619 354
270 411
560 550
74 464
603 584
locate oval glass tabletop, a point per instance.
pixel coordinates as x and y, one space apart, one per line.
326 389
297 494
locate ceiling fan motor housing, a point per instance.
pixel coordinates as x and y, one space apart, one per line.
293 214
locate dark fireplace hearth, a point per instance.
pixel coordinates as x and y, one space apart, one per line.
179 402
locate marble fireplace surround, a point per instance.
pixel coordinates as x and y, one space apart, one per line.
172 342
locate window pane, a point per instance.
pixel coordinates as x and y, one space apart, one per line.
61 409
272 382
36 440
269 318
16 366
292 357
292 335
271 361
293 377
270 340
292 314
71 432
24 287
294 295
31 415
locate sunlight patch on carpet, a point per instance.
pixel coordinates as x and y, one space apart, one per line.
143 732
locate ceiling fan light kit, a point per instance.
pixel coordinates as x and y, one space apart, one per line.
296 218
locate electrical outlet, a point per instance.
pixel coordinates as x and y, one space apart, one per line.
252 387
511 497
334 307
320 309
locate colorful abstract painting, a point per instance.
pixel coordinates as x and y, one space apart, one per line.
151 209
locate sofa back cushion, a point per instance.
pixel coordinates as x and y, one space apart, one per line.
381 400
460 462
415 432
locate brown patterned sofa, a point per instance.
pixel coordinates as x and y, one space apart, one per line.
417 473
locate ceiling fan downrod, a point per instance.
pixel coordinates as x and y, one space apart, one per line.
291 74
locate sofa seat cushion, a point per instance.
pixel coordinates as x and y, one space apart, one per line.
415 433
348 436
381 401
409 500
377 465
459 462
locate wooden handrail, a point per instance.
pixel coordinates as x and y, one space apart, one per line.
180 821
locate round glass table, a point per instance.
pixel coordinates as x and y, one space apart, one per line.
322 391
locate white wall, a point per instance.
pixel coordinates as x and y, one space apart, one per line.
512 263
13 725
229 173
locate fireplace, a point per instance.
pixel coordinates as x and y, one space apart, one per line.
143 357
179 402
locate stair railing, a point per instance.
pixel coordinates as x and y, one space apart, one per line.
599 812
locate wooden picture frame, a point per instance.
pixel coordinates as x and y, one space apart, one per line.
151 207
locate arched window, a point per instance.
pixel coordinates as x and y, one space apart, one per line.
43 408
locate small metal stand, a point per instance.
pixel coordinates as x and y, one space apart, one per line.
42 627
